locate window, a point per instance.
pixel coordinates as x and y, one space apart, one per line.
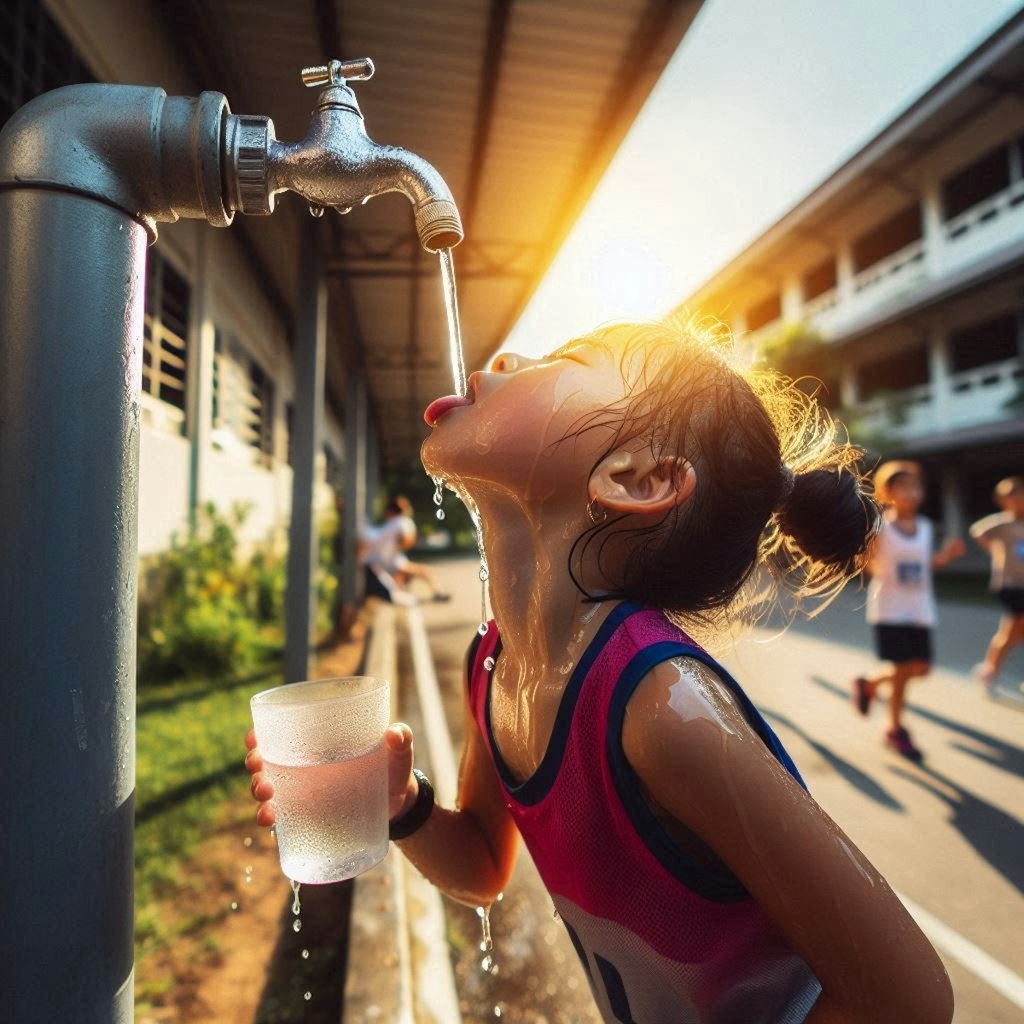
976 182
243 396
165 334
35 56
898 372
764 312
993 341
890 236
819 280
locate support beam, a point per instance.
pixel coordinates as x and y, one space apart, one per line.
355 484
310 348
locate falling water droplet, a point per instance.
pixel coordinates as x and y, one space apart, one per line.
296 906
497 1011
305 954
488 663
297 925
247 841
307 996
234 905
482 629
438 496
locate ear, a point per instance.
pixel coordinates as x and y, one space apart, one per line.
641 483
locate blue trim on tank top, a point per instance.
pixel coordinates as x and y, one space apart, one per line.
721 887
533 789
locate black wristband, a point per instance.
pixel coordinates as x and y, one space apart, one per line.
421 809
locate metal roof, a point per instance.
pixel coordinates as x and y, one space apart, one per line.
520 104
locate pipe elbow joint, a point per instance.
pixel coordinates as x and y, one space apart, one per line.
154 156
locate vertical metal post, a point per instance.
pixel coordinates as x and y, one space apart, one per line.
70 367
310 347
355 483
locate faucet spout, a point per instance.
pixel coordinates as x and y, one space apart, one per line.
336 165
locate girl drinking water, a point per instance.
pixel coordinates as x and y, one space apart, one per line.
636 489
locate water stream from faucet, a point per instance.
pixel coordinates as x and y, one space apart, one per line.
451 304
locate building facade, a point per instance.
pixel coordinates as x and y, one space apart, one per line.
896 287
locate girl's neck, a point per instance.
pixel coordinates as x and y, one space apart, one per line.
539 610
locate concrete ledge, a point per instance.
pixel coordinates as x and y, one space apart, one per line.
399 971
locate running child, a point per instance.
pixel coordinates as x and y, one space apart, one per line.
901 598
1002 536
631 484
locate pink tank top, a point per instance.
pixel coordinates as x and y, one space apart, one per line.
663 939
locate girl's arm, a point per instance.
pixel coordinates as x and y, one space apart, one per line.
951 550
468 853
702 763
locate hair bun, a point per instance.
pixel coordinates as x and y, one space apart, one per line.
828 517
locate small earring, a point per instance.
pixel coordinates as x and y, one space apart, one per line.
592 515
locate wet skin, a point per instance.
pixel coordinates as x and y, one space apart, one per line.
505 453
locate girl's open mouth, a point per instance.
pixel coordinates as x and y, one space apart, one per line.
439 406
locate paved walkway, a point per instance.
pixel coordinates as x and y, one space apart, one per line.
946 834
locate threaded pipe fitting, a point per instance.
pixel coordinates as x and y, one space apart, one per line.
438 224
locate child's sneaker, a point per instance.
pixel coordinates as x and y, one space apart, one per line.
986 674
899 740
862 695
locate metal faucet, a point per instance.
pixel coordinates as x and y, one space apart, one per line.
337 165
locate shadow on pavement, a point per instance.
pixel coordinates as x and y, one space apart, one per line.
997 836
291 976
1001 754
851 773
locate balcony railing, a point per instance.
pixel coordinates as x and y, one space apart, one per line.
985 212
973 397
893 265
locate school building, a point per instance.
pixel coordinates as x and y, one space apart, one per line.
897 285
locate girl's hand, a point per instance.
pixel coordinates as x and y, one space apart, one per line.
402 785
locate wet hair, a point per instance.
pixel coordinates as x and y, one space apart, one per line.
779 499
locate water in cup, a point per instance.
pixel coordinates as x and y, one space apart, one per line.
322 744
328 816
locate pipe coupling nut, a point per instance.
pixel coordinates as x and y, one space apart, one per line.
247 142
438 224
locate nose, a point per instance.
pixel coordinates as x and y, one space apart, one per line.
509 362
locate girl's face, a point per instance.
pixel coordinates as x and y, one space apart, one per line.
518 426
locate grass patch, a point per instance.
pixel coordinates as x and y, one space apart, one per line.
190 781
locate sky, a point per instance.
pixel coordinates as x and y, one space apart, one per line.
760 103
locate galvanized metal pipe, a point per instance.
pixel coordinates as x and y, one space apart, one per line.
70 364
85 174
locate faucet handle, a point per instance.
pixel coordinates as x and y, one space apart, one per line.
336 72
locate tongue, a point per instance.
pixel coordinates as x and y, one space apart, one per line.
440 406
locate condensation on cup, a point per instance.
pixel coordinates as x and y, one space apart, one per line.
322 744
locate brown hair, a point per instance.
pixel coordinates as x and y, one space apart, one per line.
1006 487
777 487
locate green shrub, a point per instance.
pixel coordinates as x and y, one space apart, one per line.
205 612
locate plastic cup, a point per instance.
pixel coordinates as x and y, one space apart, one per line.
322 744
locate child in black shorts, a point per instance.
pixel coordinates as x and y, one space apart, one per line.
901 600
1002 536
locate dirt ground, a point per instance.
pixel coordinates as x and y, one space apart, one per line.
241 961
